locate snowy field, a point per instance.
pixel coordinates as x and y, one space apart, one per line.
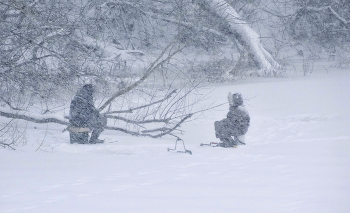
297 159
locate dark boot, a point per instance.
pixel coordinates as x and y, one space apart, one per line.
232 142
94 137
224 142
227 142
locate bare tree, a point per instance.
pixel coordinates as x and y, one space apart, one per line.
152 117
49 48
324 23
237 29
216 24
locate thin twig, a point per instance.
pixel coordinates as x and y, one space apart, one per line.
42 142
9 104
150 70
7 145
170 130
164 120
140 107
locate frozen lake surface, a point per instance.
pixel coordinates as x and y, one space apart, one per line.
297 159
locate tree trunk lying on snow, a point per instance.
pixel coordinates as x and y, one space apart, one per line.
234 28
164 123
47 119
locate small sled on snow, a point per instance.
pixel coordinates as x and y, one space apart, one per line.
180 151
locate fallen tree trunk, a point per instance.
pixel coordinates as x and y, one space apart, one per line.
163 124
244 34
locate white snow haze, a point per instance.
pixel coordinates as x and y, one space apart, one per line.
296 158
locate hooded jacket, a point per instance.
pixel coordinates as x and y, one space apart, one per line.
82 110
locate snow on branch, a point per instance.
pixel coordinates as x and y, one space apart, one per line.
244 33
240 30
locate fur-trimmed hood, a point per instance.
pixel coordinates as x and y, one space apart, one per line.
235 100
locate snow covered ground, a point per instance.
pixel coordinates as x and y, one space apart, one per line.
297 159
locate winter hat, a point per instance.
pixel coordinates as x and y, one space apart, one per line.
88 89
235 99
86 92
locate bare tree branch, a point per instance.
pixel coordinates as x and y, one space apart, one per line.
156 64
344 21
7 145
9 104
144 106
170 130
302 11
165 131
164 120
32 119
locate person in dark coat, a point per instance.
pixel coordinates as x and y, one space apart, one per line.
83 117
236 124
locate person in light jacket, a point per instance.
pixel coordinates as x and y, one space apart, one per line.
236 123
